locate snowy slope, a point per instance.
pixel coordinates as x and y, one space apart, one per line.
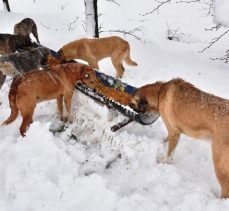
101 170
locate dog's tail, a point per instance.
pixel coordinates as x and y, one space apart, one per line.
12 102
128 60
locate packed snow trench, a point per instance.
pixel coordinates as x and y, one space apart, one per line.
87 167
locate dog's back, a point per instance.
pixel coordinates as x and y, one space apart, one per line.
10 43
93 50
99 48
195 112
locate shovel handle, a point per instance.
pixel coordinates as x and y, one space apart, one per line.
121 125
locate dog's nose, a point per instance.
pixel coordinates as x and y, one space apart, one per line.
131 105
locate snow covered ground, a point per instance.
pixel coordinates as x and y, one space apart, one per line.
87 167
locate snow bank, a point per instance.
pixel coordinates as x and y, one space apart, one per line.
221 12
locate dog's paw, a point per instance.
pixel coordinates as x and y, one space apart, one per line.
162 154
164 159
70 119
64 118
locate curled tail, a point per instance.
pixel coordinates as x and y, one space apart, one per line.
128 60
12 102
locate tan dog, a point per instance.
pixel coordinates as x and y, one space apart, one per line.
186 109
93 50
41 85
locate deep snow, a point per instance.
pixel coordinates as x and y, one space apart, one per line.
101 170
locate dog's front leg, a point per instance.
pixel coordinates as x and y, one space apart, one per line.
59 102
172 140
67 102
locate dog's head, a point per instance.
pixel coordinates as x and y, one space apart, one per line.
146 98
88 77
138 102
60 55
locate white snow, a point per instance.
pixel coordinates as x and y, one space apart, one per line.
221 12
88 167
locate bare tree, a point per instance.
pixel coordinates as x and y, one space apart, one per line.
6 5
91 12
208 7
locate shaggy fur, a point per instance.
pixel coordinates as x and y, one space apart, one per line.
15 64
10 43
186 109
56 83
93 50
25 27
18 63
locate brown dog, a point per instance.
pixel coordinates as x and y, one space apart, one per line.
186 109
25 27
41 85
93 50
10 43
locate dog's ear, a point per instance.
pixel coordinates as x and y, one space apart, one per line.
59 54
85 72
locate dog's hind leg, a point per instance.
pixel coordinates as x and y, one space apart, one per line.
60 108
26 112
220 157
117 62
67 102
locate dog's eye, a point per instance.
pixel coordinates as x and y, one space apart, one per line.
86 75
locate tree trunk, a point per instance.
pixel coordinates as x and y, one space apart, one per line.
91 11
96 19
6 5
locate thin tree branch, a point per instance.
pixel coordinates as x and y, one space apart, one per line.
213 28
72 25
214 40
225 58
161 3
126 32
113 1
188 1
47 27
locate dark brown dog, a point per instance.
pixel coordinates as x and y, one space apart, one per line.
186 109
10 43
93 50
56 83
25 27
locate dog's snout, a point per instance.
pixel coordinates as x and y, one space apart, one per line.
143 105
